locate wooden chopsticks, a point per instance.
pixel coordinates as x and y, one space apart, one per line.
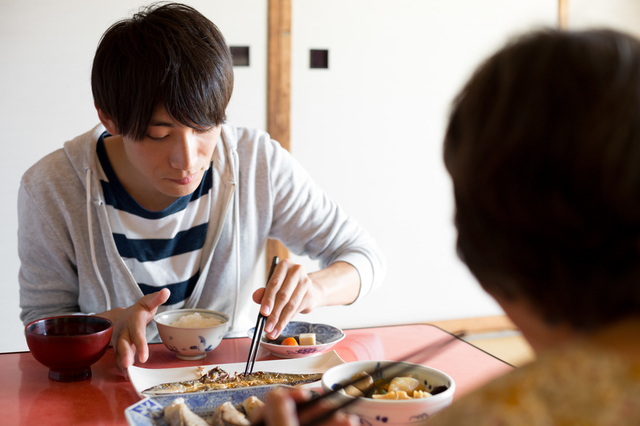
257 332
420 355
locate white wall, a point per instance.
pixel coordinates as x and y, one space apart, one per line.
368 129
623 15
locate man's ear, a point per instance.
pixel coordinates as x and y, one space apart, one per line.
107 122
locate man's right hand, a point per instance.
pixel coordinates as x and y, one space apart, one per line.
129 328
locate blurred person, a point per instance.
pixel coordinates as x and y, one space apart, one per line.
543 148
166 205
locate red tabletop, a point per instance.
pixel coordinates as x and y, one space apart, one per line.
29 397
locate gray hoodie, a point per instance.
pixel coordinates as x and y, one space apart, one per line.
69 260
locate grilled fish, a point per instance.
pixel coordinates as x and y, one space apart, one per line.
217 378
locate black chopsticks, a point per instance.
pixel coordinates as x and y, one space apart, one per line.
257 332
420 355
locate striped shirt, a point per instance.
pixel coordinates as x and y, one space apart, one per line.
161 249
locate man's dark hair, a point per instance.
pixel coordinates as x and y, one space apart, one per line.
543 147
165 55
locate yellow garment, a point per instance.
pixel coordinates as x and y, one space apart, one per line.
574 385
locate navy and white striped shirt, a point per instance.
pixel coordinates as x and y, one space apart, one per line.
161 249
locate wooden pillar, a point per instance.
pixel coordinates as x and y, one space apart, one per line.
279 90
563 14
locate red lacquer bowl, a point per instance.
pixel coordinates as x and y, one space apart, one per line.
68 345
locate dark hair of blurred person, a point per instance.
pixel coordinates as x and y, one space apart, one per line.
543 148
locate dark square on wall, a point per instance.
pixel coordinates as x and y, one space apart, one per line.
319 58
240 55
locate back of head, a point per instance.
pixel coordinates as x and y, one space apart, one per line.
543 146
166 55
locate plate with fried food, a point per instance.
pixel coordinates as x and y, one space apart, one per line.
237 407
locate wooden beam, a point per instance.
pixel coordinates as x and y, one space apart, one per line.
563 14
279 72
279 90
476 325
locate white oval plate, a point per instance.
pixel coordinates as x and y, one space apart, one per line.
144 378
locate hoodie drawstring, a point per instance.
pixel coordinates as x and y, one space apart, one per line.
91 245
236 217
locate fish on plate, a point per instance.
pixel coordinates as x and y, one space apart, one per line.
217 378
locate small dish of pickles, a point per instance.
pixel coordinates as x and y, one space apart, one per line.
301 339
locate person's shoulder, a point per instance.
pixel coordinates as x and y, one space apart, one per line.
494 402
571 382
60 167
246 135
51 166
251 142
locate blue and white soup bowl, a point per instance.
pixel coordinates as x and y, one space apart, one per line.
191 343
378 412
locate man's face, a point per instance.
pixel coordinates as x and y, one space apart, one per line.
172 158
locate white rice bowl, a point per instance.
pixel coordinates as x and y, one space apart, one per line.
187 333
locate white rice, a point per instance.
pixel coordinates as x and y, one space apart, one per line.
195 321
